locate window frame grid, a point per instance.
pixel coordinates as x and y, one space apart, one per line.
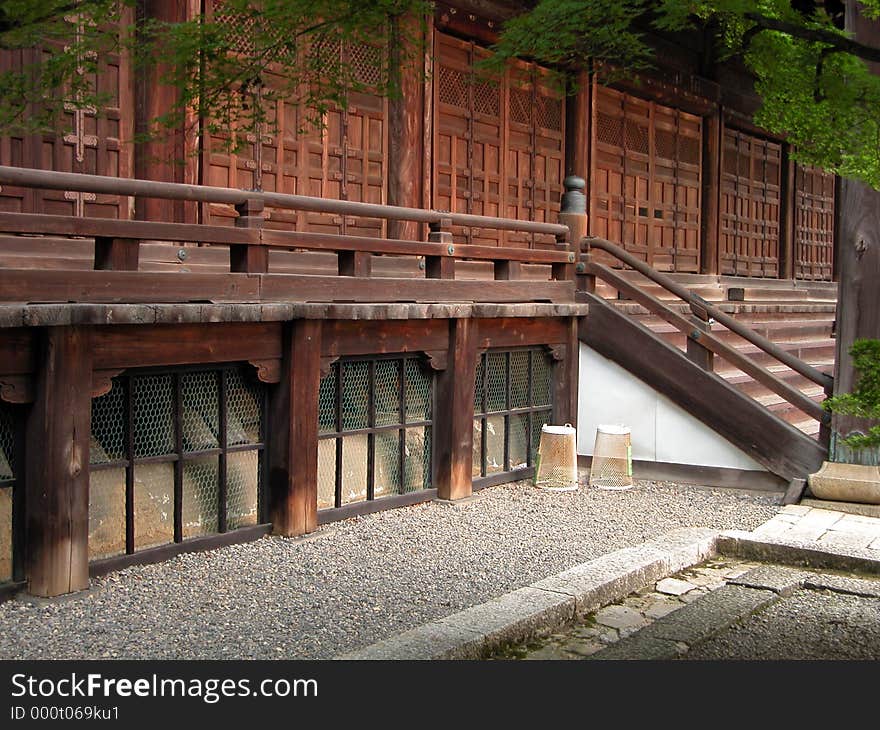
402 425
17 493
180 456
507 412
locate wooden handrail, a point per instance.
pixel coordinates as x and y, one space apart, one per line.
771 348
27 177
710 342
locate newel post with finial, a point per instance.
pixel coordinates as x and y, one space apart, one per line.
574 215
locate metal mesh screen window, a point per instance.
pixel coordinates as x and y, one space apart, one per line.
512 401
174 455
374 429
10 503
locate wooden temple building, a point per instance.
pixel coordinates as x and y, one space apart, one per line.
388 309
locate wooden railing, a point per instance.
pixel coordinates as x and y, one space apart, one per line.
702 344
117 242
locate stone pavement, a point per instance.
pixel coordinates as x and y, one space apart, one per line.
693 593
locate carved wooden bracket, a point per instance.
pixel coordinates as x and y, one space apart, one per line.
16 388
557 352
268 371
102 381
327 364
437 359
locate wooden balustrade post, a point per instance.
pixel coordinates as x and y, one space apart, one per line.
116 254
506 270
293 429
441 267
696 352
453 420
355 263
244 258
57 465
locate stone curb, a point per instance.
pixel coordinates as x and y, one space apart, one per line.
801 553
515 617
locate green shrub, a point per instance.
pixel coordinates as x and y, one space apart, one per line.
864 400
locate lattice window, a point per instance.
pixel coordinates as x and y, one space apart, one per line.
520 106
366 63
609 129
244 26
453 87
174 455
375 420
487 98
549 113
636 137
512 401
9 495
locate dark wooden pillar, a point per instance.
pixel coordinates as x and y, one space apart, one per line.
711 191
565 381
788 199
293 441
405 120
453 461
57 465
577 129
166 157
858 315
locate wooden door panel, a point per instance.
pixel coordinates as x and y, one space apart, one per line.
750 206
492 156
656 152
814 224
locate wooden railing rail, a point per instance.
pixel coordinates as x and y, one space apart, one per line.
703 311
27 177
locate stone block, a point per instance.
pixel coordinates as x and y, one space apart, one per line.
846 483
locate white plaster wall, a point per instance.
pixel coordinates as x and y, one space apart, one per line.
660 430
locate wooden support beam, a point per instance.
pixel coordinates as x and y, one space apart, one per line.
116 254
565 378
453 420
57 471
293 429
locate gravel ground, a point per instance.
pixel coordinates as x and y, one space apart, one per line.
807 625
358 581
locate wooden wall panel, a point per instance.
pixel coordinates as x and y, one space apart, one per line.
814 224
342 156
86 140
750 205
645 190
499 145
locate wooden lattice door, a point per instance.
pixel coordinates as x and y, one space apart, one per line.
645 181
814 224
85 140
498 144
342 155
750 205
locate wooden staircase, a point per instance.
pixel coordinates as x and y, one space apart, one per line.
797 316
